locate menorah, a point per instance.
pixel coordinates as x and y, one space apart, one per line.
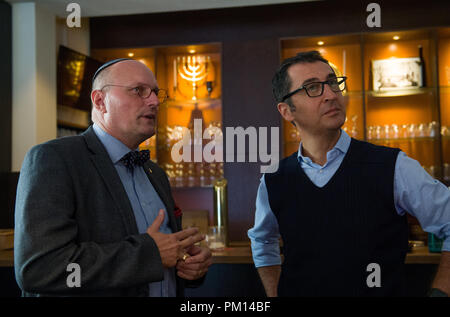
195 70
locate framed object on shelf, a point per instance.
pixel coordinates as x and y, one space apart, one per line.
74 76
397 76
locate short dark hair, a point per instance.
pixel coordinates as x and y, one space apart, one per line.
281 82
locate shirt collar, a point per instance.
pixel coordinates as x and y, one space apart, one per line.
114 147
342 145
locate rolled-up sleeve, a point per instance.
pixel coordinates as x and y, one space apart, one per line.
265 234
423 197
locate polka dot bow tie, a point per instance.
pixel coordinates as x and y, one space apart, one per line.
135 158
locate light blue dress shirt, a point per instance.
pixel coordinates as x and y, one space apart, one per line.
415 192
145 202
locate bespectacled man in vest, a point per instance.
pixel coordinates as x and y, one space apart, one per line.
339 204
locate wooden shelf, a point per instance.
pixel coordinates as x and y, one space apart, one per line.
202 103
233 255
6 258
400 92
72 118
416 139
192 187
243 255
71 125
421 255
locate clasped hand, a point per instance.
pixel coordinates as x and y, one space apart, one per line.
175 246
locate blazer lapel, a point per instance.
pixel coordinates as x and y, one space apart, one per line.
162 194
106 169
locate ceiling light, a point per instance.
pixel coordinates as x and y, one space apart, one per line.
320 43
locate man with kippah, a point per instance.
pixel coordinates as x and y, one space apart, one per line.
94 204
338 203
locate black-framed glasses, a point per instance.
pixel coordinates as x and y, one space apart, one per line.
315 89
144 91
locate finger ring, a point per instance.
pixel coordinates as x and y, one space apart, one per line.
185 256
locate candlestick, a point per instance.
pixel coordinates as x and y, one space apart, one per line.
174 74
344 60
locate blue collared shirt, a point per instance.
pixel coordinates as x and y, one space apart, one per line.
415 192
145 202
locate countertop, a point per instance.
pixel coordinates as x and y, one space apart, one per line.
242 254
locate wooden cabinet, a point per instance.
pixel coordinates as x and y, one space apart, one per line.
191 74
407 116
392 99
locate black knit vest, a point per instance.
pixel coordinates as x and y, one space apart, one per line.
331 234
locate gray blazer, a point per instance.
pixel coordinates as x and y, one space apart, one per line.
71 207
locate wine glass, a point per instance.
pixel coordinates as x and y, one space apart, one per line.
421 130
354 131
370 132
404 131
412 130
432 129
394 131
378 132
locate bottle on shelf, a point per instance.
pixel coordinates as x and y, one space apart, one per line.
423 82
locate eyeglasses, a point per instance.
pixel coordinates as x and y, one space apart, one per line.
145 91
315 89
